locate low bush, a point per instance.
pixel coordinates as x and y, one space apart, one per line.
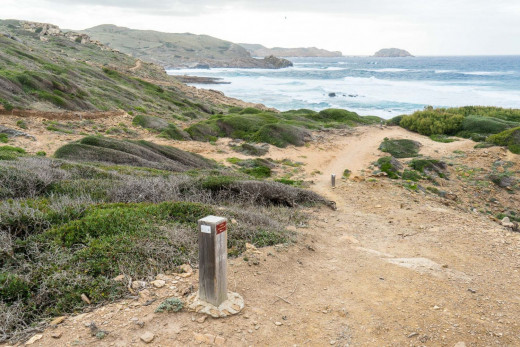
390 166
400 148
509 138
4 138
430 167
11 153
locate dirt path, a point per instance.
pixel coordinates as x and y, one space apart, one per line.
390 267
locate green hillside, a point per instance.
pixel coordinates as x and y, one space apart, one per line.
47 70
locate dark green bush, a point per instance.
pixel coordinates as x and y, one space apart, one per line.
13 288
509 138
11 153
400 148
436 121
390 166
282 135
4 138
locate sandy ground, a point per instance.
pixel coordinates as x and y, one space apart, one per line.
390 267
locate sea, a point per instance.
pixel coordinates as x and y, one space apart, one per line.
384 87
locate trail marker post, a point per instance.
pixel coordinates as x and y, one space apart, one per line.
333 180
213 259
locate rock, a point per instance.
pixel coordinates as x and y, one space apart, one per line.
119 278
273 62
506 220
158 283
34 339
85 299
202 319
57 320
233 221
414 334
186 268
14 133
250 246
209 339
199 337
460 344
56 334
138 284
147 337
332 95
278 323
436 307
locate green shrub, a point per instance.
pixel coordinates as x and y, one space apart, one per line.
429 166
4 138
11 153
289 182
431 122
485 125
346 173
250 110
411 175
400 148
12 288
509 138
390 166
258 172
282 135
442 138
170 305
21 124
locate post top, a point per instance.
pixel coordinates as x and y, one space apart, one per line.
212 219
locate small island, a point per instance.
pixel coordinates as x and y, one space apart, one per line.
392 53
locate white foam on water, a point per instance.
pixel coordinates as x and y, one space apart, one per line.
308 84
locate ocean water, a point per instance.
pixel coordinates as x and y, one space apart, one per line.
383 87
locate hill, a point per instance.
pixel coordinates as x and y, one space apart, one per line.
392 53
45 69
178 50
257 50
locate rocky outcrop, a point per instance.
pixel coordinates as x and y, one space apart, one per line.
273 62
392 53
45 30
261 51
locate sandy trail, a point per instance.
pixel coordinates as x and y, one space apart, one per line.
390 267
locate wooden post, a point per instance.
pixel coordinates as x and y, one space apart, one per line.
333 180
213 260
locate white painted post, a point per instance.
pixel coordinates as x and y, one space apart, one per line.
333 180
213 259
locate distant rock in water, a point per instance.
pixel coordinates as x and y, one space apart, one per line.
276 63
392 53
332 95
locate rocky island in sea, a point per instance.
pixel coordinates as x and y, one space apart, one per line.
392 53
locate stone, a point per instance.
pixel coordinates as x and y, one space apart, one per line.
158 283
460 344
56 334
202 319
250 246
147 337
34 339
119 278
138 284
278 323
199 337
233 221
58 320
209 339
85 299
186 268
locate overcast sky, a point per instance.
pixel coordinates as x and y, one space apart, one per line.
355 27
